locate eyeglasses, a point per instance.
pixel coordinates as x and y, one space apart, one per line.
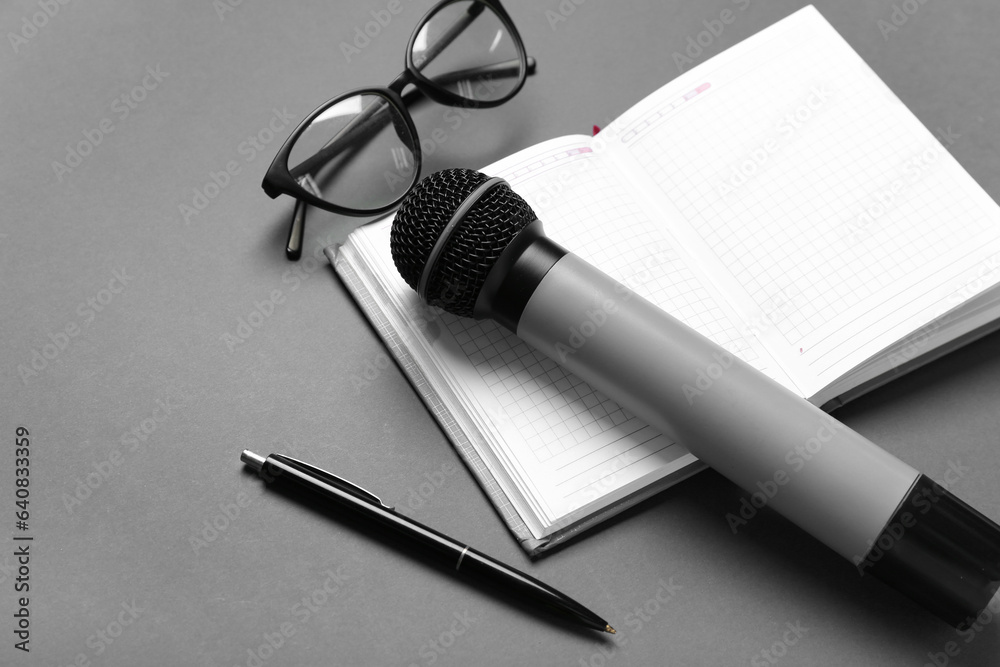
358 154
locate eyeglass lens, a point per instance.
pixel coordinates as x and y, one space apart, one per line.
358 153
479 61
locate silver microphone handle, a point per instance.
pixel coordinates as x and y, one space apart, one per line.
825 477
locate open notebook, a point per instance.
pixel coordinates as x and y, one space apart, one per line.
777 198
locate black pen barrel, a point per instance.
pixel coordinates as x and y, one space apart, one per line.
518 585
443 550
427 541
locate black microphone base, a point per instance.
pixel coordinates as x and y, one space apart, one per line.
940 552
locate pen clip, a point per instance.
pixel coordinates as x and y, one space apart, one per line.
333 480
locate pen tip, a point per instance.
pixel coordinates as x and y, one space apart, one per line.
252 460
608 628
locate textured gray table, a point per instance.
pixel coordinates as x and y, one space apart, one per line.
145 345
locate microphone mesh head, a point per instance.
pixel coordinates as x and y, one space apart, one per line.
475 244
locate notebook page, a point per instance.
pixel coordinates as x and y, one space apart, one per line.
567 448
834 221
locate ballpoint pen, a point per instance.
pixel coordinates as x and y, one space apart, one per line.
527 590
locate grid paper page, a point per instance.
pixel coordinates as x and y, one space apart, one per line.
816 189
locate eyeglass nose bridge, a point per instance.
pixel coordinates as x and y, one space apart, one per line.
404 79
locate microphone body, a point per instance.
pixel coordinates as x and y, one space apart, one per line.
865 504
826 478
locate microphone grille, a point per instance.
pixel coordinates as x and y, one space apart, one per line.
474 245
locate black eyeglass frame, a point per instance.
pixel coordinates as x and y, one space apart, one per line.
279 180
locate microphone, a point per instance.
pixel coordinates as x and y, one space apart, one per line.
470 245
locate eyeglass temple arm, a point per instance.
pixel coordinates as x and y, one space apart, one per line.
297 228
506 68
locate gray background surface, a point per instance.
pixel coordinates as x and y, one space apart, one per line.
206 562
